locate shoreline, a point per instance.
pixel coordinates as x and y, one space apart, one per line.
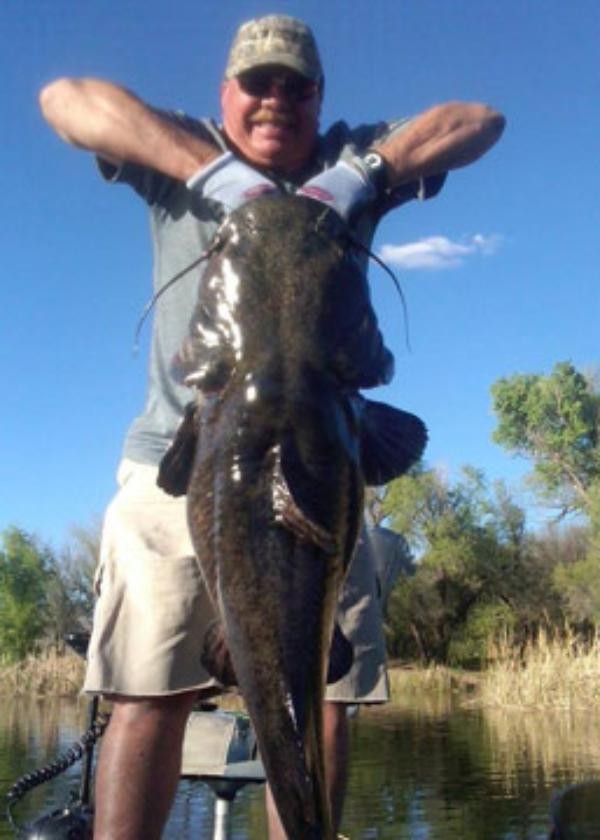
550 674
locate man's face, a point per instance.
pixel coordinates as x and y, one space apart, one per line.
271 115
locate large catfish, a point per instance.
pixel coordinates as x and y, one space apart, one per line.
282 336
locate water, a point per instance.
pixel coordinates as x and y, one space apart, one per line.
421 774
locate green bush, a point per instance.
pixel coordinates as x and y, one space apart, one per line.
470 644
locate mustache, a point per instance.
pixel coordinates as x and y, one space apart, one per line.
268 115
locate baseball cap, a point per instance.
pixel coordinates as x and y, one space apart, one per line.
275 39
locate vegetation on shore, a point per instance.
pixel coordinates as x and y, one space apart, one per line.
550 673
44 674
559 674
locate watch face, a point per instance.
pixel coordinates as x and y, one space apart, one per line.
373 160
376 167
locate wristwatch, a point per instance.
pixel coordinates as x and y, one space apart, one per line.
375 168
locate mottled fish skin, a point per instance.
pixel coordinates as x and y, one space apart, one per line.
283 330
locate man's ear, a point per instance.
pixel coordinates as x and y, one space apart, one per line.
223 91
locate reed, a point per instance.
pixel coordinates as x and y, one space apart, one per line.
45 674
430 690
552 672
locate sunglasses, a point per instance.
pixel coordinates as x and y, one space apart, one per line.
292 86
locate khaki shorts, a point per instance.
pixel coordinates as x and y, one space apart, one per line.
152 608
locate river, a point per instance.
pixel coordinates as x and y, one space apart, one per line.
435 772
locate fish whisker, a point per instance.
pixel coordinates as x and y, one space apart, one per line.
361 247
171 282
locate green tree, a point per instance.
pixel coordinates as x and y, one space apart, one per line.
577 574
24 574
70 596
472 557
485 622
554 422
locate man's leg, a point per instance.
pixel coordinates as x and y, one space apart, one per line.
336 739
139 766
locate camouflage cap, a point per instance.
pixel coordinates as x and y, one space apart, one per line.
275 39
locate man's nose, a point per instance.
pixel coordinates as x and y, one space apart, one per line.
277 91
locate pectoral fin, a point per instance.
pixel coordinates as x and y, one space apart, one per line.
176 465
391 440
215 655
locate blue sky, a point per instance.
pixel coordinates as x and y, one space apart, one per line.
500 271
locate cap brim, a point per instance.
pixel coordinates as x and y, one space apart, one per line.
276 59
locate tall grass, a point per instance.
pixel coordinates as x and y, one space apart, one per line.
431 690
46 674
561 672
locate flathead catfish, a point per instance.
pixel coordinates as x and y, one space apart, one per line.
282 336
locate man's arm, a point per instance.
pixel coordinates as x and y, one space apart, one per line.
112 122
442 138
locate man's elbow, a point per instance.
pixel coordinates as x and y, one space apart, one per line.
480 127
494 123
52 95
56 100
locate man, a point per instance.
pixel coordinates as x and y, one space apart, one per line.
152 608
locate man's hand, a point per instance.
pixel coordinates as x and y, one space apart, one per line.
230 181
343 187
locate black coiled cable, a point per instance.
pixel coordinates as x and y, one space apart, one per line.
54 768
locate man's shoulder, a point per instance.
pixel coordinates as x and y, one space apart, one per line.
204 127
342 139
155 187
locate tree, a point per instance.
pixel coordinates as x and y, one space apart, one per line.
24 574
45 595
554 422
472 550
70 596
79 562
577 575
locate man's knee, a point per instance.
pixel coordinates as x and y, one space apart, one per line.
151 711
335 718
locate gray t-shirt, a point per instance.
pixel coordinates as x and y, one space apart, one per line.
179 237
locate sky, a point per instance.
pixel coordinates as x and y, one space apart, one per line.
500 271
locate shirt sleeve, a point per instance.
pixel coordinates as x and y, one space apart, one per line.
422 188
355 141
154 186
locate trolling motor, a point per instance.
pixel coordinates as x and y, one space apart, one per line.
73 822
220 750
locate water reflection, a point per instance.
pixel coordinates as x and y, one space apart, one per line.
559 745
33 732
466 774
430 771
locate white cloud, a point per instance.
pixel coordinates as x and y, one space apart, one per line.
436 252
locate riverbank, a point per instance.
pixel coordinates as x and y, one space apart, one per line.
47 674
561 673
549 674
